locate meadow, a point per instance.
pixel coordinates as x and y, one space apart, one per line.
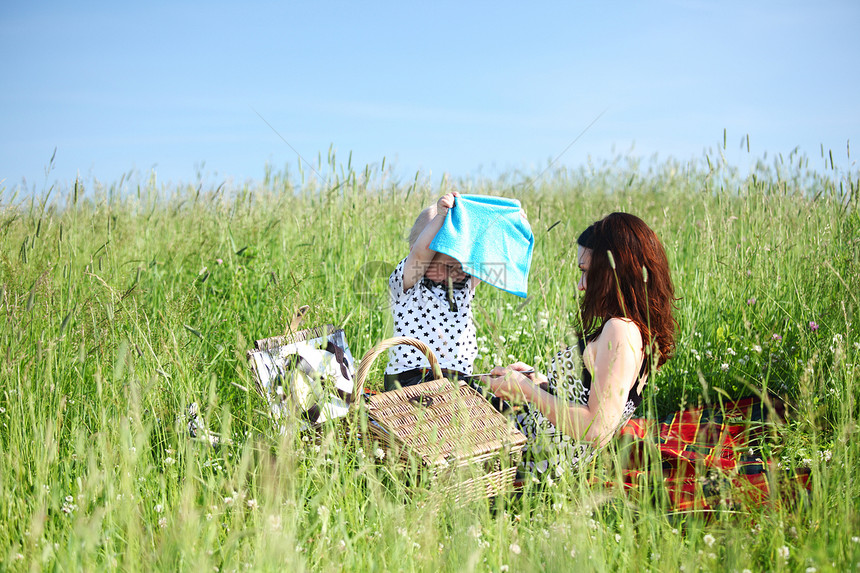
122 304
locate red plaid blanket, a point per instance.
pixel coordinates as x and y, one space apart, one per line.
711 457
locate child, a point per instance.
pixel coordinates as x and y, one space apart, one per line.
431 300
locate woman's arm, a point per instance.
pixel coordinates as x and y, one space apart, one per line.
616 356
420 255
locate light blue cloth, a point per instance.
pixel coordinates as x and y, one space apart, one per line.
491 238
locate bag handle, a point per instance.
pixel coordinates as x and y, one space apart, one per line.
367 362
297 319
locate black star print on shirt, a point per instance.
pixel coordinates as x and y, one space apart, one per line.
427 314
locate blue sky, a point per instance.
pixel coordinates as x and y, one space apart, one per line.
445 87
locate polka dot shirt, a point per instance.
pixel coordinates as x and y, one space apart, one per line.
425 313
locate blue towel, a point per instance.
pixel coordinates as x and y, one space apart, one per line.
491 238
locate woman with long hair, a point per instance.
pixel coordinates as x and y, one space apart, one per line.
628 331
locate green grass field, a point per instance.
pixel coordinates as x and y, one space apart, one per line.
121 305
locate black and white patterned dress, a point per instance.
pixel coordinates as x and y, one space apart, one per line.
549 450
428 313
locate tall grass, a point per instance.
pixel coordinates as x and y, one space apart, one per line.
121 306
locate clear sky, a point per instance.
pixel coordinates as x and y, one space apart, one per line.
441 87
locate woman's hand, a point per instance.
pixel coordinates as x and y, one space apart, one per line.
510 383
522 368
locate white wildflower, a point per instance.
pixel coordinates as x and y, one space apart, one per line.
709 540
543 320
724 366
617 538
731 351
275 522
783 552
757 348
379 453
159 508
252 504
162 523
515 549
168 461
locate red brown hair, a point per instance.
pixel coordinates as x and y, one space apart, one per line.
645 297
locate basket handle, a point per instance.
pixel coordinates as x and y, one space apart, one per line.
367 362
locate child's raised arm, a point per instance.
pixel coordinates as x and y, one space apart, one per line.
420 254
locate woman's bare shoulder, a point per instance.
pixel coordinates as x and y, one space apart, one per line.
622 330
616 334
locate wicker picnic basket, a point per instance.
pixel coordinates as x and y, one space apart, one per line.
465 443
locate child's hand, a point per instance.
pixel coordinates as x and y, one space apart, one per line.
446 201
